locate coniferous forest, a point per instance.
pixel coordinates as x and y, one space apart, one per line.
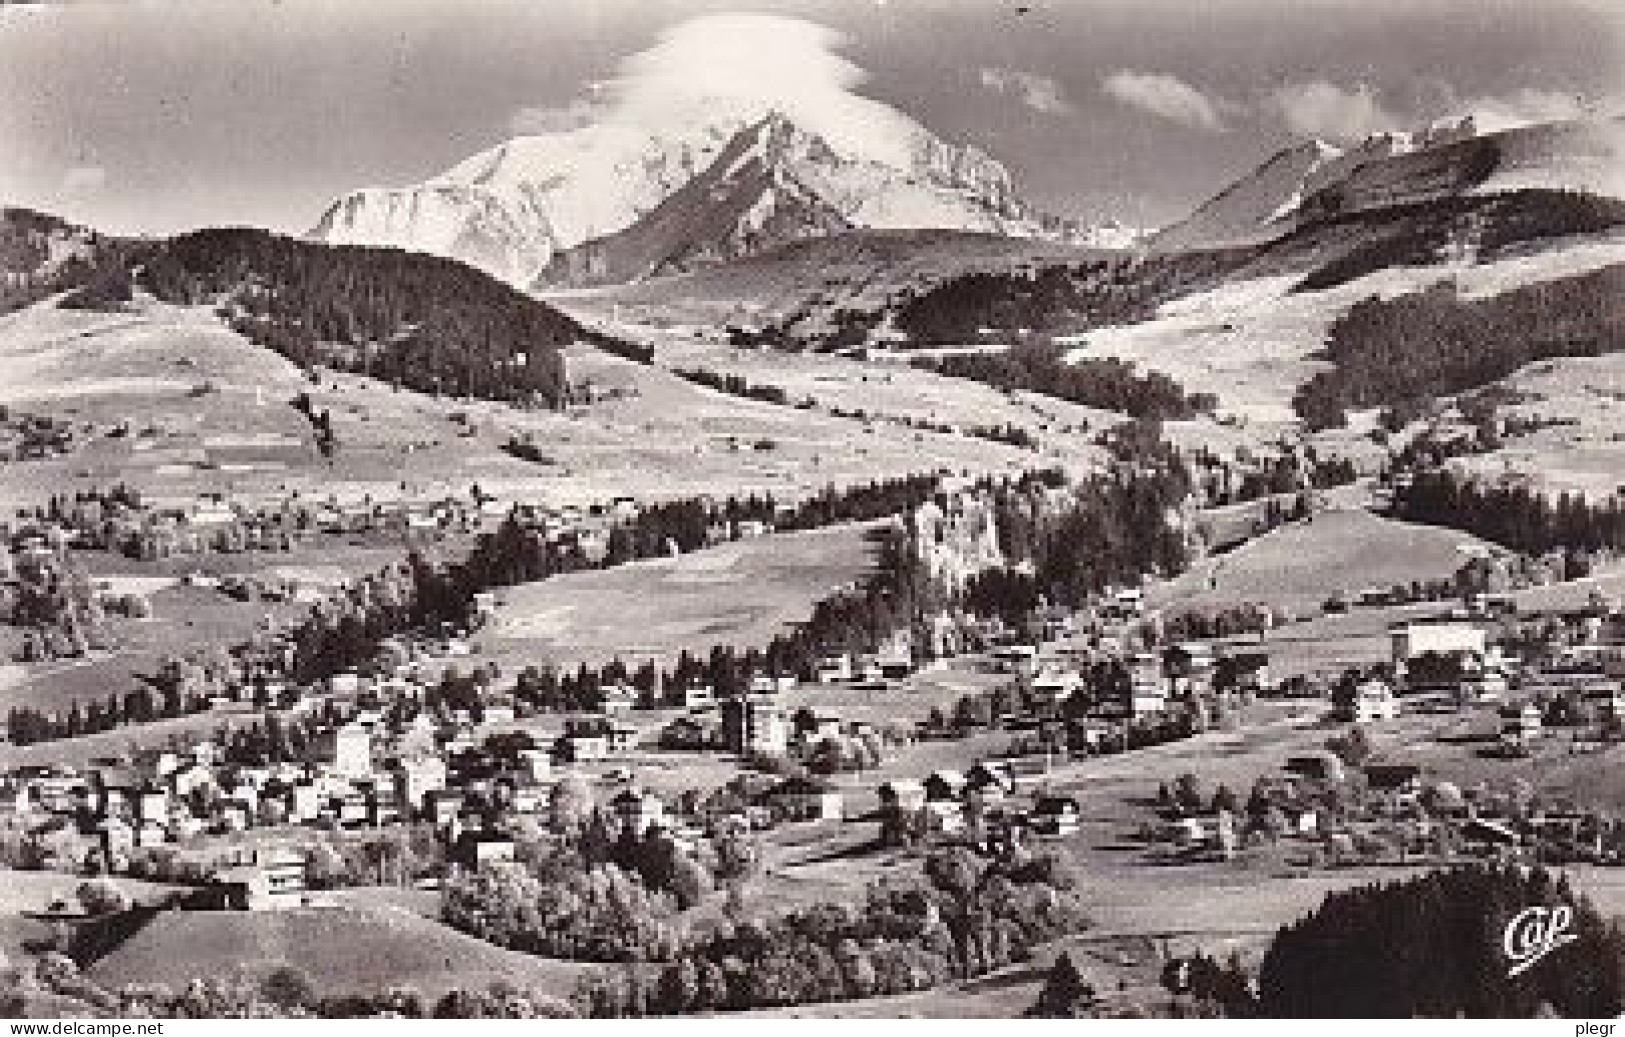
1513 516
1431 946
1437 343
416 321
1107 383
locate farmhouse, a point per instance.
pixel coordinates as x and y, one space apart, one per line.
1055 815
805 799
903 794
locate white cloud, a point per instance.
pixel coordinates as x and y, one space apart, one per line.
1040 93
1167 97
1531 105
748 64
557 119
83 180
1322 109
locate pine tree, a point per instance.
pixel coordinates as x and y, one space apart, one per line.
1066 994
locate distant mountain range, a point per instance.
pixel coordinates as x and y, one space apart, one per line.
617 202
1316 180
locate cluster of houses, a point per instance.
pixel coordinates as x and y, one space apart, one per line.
34 437
215 523
1565 668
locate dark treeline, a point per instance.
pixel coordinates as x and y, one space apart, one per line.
1106 383
734 385
416 321
26 725
1436 343
1513 516
1431 947
1120 290
1417 235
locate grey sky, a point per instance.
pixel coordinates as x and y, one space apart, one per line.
160 116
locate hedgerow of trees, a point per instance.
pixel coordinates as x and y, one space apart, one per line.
1107 383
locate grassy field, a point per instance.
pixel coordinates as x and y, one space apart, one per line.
1252 343
217 407
739 593
1300 565
341 949
183 619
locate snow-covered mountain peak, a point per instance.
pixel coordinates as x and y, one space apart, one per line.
512 208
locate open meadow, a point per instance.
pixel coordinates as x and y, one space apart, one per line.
740 593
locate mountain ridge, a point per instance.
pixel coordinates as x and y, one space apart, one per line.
511 209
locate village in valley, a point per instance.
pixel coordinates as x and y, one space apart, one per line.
302 768
724 549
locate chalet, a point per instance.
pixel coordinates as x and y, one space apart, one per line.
1606 700
535 766
1017 659
1399 779
621 738
117 840
1052 686
755 724
688 732
895 665
1247 669
526 800
832 669
944 786
806 799
500 713
902 794
442 806
698 697
637 811
817 726
1488 832
304 802
945 816
1055 815
1374 700
191 778
151 805
990 780
1520 724
584 739
1316 766
234 816
275 879
618 698
478 850
415 777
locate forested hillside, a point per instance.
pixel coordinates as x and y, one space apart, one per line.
1056 298
41 255
1436 343
416 321
1107 383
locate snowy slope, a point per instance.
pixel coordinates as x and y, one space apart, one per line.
778 182
1314 180
509 210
